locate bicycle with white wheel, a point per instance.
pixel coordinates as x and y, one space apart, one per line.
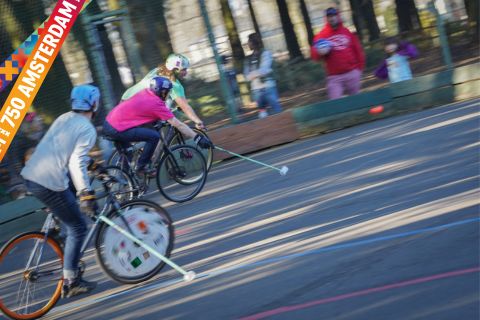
133 241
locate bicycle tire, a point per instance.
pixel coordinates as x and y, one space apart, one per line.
113 160
126 186
30 277
166 173
140 183
109 258
178 139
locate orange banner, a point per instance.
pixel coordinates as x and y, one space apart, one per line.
35 70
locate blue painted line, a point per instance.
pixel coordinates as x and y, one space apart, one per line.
345 245
271 260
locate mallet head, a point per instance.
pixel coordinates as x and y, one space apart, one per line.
189 276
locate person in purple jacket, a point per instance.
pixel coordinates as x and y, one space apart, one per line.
396 67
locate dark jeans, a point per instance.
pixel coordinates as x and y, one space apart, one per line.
150 136
267 97
64 207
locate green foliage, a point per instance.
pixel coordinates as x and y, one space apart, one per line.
205 97
458 32
391 21
374 54
291 76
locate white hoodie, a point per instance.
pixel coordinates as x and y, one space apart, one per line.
63 149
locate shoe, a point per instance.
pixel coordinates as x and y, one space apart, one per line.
262 114
149 172
76 287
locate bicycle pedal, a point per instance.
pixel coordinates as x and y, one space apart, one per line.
181 174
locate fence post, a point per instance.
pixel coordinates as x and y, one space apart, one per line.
439 22
132 49
226 90
99 63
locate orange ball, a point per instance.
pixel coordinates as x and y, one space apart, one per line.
376 110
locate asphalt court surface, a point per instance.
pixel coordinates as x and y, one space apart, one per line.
377 221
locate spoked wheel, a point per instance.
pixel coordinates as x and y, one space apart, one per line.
178 139
126 261
135 151
181 174
140 182
122 185
31 275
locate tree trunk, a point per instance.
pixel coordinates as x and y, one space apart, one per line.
357 18
233 37
164 43
471 6
407 14
254 20
368 14
107 48
289 31
308 22
364 18
148 49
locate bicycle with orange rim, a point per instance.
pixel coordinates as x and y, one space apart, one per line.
31 264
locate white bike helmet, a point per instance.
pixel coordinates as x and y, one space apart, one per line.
177 61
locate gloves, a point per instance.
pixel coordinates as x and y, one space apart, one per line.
200 126
91 164
203 142
96 166
88 204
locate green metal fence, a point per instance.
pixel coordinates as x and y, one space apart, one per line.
104 47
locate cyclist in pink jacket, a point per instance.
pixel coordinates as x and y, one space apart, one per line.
124 123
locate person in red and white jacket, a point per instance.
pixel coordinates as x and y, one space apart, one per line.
343 56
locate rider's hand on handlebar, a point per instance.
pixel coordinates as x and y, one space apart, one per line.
88 203
203 142
200 126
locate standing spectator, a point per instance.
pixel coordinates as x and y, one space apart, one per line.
258 70
395 67
343 55
29 135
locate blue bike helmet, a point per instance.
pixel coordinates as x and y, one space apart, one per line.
85 98
161 86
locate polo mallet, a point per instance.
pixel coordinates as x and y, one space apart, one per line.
283 170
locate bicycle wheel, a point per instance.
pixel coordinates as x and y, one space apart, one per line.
122 186
122 259
31 276
181 174
140 182
135 151
178 139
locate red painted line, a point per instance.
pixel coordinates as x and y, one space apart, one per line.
182 231
280 310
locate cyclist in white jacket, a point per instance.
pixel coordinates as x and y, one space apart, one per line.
61 153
